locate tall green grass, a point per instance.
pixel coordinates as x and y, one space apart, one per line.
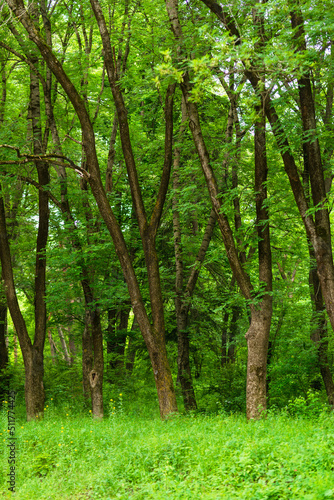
187 457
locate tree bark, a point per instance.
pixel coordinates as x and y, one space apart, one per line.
87 357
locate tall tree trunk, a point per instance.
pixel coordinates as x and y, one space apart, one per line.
258 333
154 335
319 335
35 364
183 363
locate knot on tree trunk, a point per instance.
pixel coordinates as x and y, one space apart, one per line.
93 378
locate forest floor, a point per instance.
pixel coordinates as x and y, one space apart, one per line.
67 456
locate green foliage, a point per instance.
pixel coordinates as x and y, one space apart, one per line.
185 458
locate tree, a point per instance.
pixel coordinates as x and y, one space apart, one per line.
153 333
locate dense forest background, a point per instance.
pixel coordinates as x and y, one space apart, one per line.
166 204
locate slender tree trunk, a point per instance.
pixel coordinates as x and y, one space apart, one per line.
64 345
87 356
4 379
258 333
183 363
319 335
35 360
52 348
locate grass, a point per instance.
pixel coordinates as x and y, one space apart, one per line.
187 457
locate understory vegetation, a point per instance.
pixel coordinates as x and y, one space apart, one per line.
138 456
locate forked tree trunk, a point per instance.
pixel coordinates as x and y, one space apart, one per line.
154 335
258 333
317 228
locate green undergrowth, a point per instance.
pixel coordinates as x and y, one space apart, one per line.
186 457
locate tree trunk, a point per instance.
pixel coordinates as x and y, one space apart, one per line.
257 343
52 348
258 333
87 356
183 364
64 346
34 387
319 335
4 379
